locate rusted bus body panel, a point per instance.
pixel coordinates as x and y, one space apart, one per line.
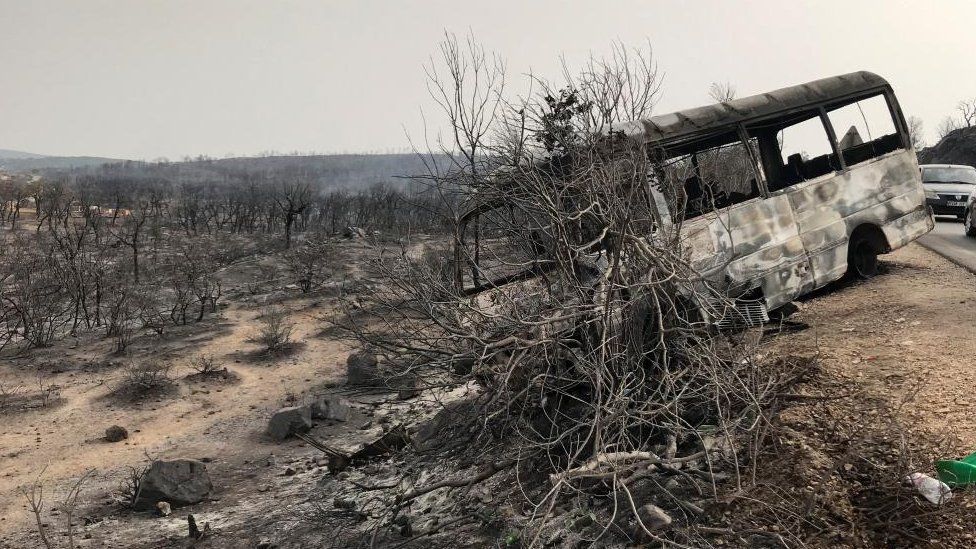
796 239
908 227
751 245
880 192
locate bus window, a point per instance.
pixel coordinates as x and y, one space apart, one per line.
713 173
864 129
794 150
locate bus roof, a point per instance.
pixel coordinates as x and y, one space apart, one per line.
689 122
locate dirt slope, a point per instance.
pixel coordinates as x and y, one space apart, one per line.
908 335
217 420
906 338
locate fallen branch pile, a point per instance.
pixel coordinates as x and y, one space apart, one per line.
568 302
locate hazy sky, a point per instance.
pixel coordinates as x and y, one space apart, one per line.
144 79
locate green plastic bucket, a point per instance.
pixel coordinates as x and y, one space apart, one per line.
957 472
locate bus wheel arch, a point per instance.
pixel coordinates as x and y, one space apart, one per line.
866 242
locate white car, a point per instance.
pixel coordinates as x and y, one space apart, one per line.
947 188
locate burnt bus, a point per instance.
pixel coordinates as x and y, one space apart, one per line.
775 195
787 191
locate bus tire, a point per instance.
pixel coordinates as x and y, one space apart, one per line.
862 257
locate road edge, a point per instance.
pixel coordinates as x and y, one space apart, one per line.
952 260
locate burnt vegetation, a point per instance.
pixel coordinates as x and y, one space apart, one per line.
118 254
598 401
594 378
523 281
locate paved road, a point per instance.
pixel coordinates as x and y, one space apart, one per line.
948 239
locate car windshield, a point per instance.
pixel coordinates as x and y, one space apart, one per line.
949 175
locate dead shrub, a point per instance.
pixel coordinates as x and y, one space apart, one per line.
206 366
47 393
34 496
276 330
309 265
147 379
17 398
130 485
9 394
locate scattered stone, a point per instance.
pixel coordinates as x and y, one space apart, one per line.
407 393
361 369
653 517
178 482
433 431
116 433
407 387
331 407
163 509
344 503
403 521
288 421
582 521
289 472
353 232
391 441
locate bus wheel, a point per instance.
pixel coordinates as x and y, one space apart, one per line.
862 258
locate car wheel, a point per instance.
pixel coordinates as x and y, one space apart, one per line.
862 258
968 224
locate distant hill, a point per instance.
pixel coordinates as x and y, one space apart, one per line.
332 171
349 171
51 162
20 161
958 147
7 153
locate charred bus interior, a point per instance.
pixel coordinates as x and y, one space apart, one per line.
712 162
754 158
